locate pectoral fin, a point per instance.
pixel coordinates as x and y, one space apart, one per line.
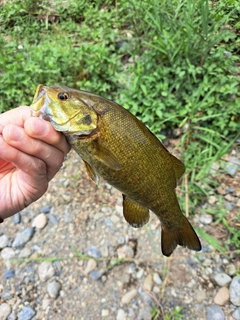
91 173
106 157
135 214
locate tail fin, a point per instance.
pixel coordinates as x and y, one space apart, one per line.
184 236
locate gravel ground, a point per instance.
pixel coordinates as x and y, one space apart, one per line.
61 258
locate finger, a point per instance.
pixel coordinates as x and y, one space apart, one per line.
33 171
17 138
16 116
43 130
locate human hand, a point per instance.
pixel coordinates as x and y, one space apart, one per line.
31 153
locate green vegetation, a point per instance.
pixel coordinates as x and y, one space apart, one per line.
172 63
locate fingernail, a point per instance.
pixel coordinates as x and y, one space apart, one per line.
15 133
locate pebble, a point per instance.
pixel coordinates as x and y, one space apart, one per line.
125 252
145 313
58 267
114 218
214 313
17 218
95 274
222 296
91 265
12 316
105 313
232 166
200 296
140 273
46 271
40 221
236 314
46 209
157 279
5 311
129 296
45 303
148 283
94 252
9 274
3 241
206 218
54 288
121 315
26 313
24 253
22 238
234 291
212 199
7 253
231 269
222 279
221 190
52 219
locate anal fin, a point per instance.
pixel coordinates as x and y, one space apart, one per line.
134 213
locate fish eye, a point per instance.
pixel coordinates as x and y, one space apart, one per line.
62 96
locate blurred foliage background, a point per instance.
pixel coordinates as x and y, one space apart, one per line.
173 63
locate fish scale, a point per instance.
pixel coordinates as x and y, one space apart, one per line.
118 147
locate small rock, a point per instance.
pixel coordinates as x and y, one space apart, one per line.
214 313
140 273
231 269
222 279
121 315
234 291
45 271
9 274
46 209
58 267
200 296
145 313
26 313
12 316
222 296
148 283
108 222
230 189
3 241
54 288
93 252
45 303
212 199
17 218
5 311
114 218
157 279
125 252
236 314
221 190
52 219
40 221
232 166
23 238
206 218
105 313
104 251
119 209
7 253
95 274
129 296
91 265
25 253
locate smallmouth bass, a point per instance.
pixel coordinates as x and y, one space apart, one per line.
118 147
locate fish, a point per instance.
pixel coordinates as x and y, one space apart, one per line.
119 148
